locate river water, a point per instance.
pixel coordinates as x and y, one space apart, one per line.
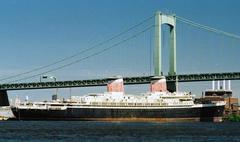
118 131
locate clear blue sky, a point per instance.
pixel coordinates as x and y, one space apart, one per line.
35 33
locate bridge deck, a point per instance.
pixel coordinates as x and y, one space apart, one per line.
127 81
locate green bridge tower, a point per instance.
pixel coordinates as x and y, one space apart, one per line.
169 20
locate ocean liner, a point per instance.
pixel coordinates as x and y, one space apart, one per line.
114 105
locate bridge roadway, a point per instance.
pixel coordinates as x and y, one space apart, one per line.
127 81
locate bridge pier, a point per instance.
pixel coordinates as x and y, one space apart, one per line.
172 86
4 98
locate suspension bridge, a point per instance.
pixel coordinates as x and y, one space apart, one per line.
172 76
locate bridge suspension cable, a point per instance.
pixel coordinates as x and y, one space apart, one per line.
89 56
207 28
80 52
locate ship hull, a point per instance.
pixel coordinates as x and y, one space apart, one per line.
168 114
